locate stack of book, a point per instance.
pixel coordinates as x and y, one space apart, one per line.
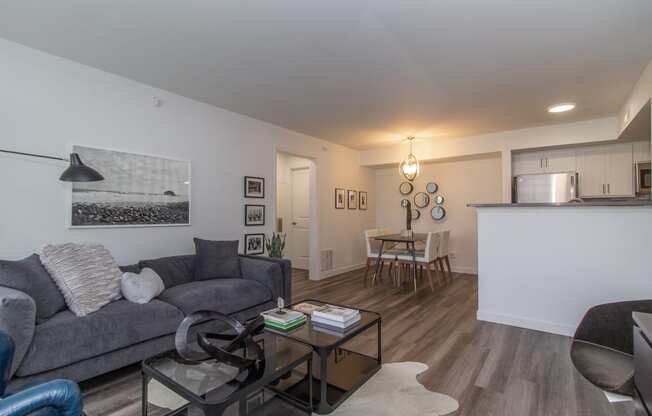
335 318
283 320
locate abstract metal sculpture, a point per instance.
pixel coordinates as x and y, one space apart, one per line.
242 340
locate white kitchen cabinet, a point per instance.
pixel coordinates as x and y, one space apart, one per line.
562 160
550 161
591 169
527 163
642 151
619 174
606 171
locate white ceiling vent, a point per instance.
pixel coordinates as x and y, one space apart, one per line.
327 260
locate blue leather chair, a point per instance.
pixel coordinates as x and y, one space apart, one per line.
54 398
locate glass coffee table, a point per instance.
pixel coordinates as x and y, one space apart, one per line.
345 361
212 388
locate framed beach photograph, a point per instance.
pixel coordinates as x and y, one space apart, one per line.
254 187
353 199
254 244
340 198
137 190
362 200
254 215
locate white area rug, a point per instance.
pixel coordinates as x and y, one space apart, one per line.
393 391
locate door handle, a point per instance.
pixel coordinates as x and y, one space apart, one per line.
609 188
546 162
603 189
294 223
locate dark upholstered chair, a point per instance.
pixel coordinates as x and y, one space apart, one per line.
54 398
602 349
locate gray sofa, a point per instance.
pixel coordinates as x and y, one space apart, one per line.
124 333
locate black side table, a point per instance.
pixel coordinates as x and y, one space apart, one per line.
340 370
216 388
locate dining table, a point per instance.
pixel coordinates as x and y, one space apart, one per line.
408 239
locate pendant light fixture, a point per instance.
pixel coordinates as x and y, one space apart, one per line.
409 167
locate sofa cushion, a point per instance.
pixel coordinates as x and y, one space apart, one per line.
86 274
609 369
66 338
222 295
30 277
216 259
174 270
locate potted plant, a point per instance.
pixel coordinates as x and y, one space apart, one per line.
275 245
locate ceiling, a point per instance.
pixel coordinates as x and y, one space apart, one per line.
360 73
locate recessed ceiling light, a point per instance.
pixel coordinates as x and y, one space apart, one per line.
561 108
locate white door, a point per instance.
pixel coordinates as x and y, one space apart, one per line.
527 163
591 169
300 214
620 170
562 160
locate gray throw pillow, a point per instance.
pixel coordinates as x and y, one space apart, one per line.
141 287
86 274
29 276
216 259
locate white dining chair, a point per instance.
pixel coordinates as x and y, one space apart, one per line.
442 254
373 246
424 259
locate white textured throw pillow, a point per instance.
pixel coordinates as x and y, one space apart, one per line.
87 275
143 287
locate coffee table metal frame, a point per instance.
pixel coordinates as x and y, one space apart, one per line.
217 408
323 352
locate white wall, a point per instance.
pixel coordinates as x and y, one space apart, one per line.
49 103
460 182
504 142
543 268
637 98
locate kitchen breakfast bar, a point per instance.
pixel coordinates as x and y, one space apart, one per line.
543 265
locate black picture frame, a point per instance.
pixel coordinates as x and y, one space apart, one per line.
362 197
352 199
248 218
254 249
342 192
248 185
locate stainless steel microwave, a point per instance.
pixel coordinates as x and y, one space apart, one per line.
643 178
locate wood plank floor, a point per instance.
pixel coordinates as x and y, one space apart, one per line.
490 369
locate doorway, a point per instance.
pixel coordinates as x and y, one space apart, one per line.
293 207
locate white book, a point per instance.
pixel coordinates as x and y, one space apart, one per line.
335 313
345 324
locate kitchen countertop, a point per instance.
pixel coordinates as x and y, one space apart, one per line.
587 203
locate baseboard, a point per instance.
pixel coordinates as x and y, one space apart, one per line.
465 270
340 270
544 326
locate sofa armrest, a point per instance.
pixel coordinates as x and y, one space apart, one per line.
60 397
18 320
276 274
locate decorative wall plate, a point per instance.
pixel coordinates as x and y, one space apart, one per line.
421 199
415 214
405 188
437 213
439 199
432 187
404 202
